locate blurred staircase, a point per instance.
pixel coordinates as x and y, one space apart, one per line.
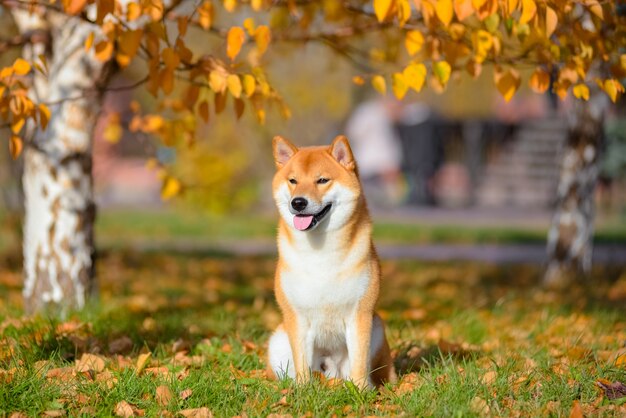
525 172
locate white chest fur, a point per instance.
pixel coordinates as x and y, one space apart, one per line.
324 285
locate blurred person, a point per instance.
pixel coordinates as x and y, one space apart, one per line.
377 149
421 141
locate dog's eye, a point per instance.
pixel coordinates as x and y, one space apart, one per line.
322 181
293 181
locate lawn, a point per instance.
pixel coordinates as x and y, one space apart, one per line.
177 335
120 226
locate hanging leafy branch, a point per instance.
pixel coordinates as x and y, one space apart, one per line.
400 45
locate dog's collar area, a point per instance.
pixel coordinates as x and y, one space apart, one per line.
317 218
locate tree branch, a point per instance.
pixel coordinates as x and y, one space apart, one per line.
30 37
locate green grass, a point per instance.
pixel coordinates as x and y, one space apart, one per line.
492 342
116 228
116 225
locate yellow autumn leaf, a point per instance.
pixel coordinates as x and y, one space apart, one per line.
262 37
74 7
581 91
512 5
382 8
15 146
21 67
171 188
256 5
612 87
529 9
17 125
89 41
44 115
379 84
153 123
442 71
488 8
104 50
552 19
234 41
399 85
507 82
539 81
444 11
249 26
6 72
463 9
358 80
483 42
113 130
415 76
205 12
234 85
249 85
230 5
128 45
595 7
170 58
403 11
217 81
413 41
133 11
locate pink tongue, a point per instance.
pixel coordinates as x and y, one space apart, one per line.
302 222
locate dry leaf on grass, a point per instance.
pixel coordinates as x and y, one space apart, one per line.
480 406
54 413
62 373
90 362
107 378
281 402
124 409
576 411
142 360
185 394
489 377
163 395
196 413
158 371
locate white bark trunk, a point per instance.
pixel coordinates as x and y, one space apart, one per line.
570 238
59 207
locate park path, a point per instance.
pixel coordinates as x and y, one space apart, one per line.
532 253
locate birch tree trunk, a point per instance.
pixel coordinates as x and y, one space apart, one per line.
570 238
59 208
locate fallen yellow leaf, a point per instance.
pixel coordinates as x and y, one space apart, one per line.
142 360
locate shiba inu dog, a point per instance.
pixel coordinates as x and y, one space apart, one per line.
328 274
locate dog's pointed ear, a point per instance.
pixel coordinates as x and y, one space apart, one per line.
341 152
283 150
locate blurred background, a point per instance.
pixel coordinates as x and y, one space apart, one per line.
459 166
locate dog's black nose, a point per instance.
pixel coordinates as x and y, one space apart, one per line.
299 203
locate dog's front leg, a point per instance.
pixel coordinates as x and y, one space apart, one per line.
301 346
358 336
